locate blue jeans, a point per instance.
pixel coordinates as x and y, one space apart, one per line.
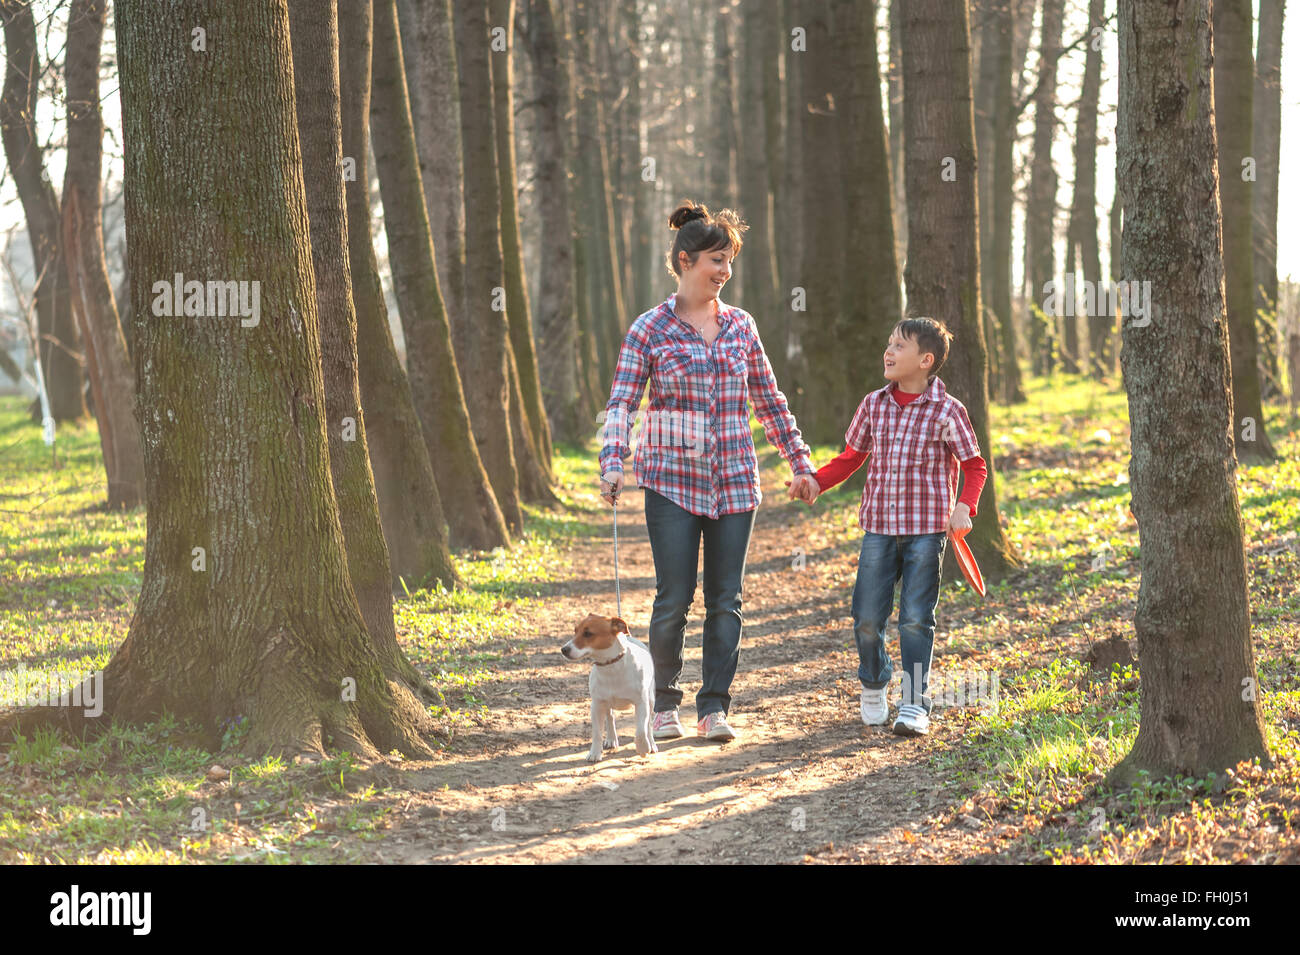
917 560
675 542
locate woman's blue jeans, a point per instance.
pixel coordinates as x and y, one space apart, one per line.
675 535
916 559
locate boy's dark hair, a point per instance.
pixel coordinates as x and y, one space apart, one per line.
931 336
698 231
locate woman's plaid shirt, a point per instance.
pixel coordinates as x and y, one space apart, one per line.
694 444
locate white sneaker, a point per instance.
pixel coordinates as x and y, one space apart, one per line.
912 720
667 725
875 711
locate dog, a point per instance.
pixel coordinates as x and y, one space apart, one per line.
622 677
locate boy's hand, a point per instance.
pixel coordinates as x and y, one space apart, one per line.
960 523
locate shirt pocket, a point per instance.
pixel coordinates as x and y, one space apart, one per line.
930 442
671 369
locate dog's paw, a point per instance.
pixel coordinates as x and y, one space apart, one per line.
593 756
610 743
646 746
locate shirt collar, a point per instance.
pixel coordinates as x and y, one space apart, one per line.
724 310
934 390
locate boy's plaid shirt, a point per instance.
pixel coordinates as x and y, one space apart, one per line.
914 449
695 446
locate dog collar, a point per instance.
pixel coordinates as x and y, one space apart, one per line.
608 662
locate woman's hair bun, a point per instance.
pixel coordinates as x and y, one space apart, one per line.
686 212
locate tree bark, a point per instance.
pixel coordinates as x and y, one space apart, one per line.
639 246
897 146
1040 214
557 354
315 39
1234 81
60 362
476 519
1083 210
487 370
1198 708
1004 142
724 137
429 54
536 469
873 299
943 266
595 214
822 406
1266 149
757 263
233 416
112 377
410 505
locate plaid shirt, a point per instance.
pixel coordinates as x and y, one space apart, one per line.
695 446
912 475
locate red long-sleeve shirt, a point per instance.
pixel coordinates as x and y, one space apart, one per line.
843 466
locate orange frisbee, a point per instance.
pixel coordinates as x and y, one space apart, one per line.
966 560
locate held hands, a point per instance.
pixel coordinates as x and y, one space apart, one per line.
804 487
959 524
609 489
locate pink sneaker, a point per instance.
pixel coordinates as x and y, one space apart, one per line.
667 725
714 726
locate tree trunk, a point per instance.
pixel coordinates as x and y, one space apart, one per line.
1198 710
897 146
1083 211
1004 142
487 370
1266 150
822 407
723 139
112 377
943 265
873 300
1040 214
60 362
557 354
315 39
766 45
642 227
757 264
518 313
476 520
429 53
1234 81
608 313
410 506
262 622
788 200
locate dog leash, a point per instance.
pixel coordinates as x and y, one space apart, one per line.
618 596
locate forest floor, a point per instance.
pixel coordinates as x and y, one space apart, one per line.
1016 780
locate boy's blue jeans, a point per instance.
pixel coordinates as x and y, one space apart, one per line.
916 559
675 535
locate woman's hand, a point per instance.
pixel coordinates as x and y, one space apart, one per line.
804 487
959 524
609 489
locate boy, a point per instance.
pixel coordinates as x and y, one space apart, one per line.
917 432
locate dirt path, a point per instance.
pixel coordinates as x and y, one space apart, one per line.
805 780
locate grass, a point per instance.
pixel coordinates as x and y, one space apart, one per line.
1030 772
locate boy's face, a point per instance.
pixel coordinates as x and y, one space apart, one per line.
904 360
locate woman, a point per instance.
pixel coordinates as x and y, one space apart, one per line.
696 460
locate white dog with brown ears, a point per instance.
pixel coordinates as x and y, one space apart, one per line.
622 677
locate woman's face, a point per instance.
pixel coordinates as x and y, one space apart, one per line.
710 272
